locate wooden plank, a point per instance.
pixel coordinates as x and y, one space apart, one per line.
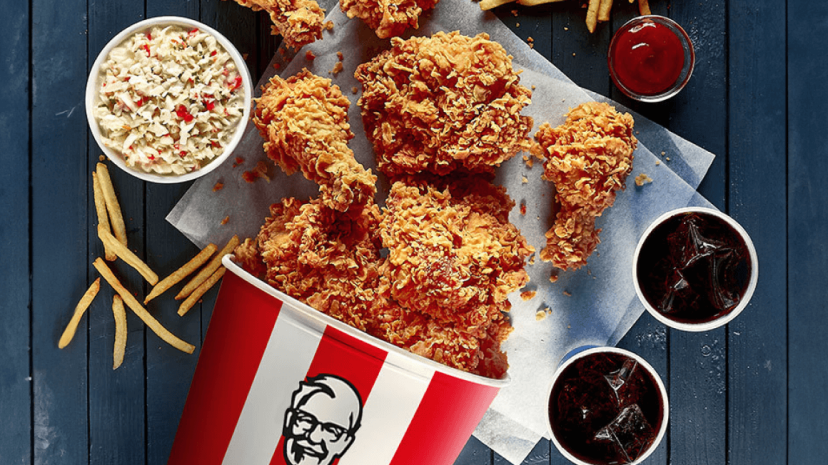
807 203
15 381
59 221
169 371
698 361
580 55
116 398
757 349
648 338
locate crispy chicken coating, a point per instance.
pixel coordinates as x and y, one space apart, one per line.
388 18
588 158
442 103
300 22
331 260
452 253
304 121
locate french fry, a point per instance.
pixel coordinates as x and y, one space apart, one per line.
208 270
112 205
592 15
604 10
126 255
142 313
80 309
120 331
103 217
200 291
644 7
486 5
182 272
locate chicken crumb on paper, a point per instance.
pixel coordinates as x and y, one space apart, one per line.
522 207
528 295
219 186
540 315
658 162
354 90
337 68
276 66
532 259
642 179
567 293
524 180
553 278
225 220
329 25
340 56
310 55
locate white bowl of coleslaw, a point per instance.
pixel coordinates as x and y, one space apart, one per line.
168 99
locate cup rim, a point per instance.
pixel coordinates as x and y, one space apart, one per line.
665 421
686 43
722 320
92 91
304 310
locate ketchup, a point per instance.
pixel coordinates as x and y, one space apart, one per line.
648 58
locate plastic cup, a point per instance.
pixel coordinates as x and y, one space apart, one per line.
663 417
278 382
725 317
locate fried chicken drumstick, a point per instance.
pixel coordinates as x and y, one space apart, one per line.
388 18
304 121
441 103
588 158
300 22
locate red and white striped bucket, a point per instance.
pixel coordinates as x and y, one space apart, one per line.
278 382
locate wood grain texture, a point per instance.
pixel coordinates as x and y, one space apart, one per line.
757 357
807 207
115 394
698 362
15 381
59 222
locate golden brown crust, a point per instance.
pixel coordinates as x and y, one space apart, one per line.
443 103
304 121
453 255
386 17
300 22
588 158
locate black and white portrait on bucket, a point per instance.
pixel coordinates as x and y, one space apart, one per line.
324 415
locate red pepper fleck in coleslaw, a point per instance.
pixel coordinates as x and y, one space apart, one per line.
170 99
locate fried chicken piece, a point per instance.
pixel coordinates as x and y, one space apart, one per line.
453 255
304 121
300 22
441 103
323 257
331 261
588 158
386 17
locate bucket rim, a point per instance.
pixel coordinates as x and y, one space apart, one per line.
307 311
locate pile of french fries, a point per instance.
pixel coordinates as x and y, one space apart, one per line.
598 10
112 233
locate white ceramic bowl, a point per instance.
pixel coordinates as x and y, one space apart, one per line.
95 79
723 319
576 355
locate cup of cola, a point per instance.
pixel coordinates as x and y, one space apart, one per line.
695 269
606 406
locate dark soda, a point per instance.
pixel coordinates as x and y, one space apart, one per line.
694 268
605 408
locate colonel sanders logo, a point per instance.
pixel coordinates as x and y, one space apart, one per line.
320 424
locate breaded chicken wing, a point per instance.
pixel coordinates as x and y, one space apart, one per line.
304 121
300 22
452 253
388 18
442 103
588 158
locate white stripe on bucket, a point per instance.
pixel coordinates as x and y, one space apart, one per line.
394 399
289 353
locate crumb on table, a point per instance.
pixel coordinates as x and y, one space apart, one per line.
528 295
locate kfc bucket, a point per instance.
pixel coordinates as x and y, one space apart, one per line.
279 383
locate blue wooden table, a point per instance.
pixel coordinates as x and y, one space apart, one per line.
749 393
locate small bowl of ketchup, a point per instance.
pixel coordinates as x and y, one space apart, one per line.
651 58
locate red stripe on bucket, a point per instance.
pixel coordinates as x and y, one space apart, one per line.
239 330
450 409
347 357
